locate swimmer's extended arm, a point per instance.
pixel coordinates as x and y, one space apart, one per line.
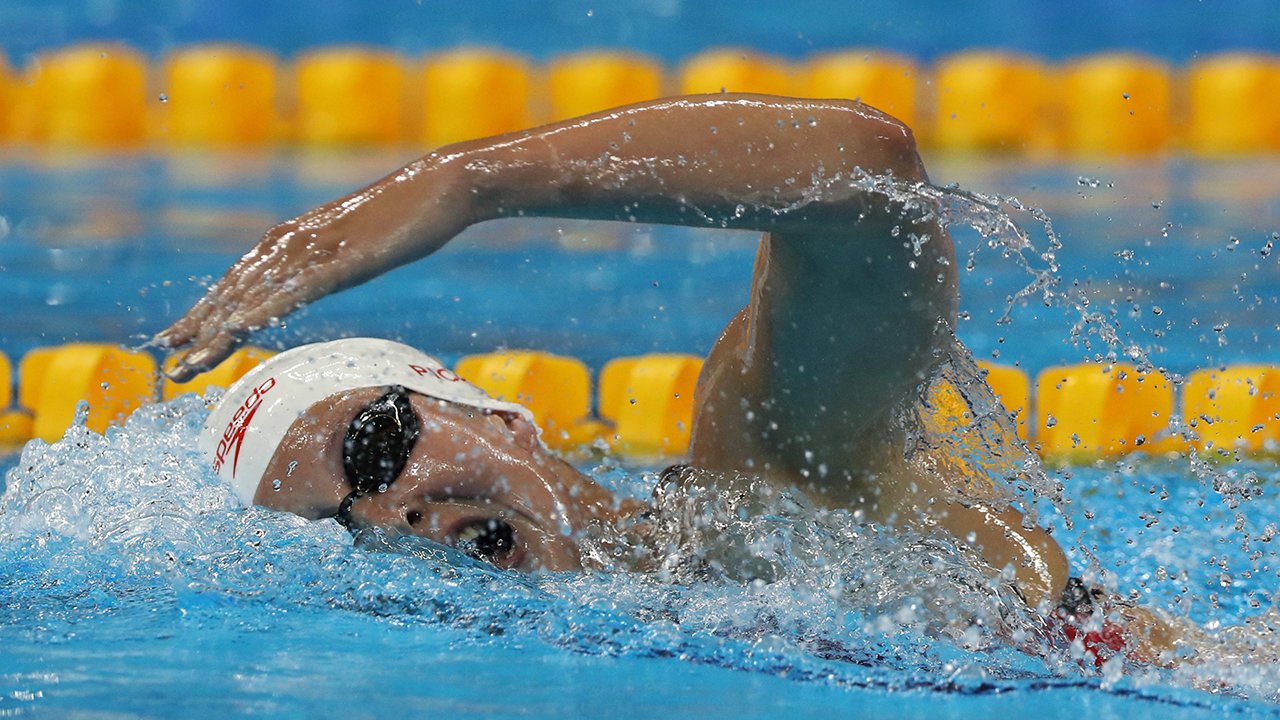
739 161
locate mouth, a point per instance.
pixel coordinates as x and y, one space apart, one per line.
493 540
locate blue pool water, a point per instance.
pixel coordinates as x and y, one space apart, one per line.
112 248
130 588
669 29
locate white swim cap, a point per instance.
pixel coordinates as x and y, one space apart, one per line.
243 431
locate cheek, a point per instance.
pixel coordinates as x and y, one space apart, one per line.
428 480
553 553
539 550
458 470
423 519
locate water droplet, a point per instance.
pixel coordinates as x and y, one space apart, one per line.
82 413
164 97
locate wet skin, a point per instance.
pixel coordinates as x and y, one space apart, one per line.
847 316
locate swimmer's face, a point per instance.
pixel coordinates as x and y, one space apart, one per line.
478 481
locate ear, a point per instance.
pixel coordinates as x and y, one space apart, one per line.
524 430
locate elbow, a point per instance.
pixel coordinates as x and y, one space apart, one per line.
904 155
888 142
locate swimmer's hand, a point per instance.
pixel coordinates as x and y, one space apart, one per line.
289 267
1152 639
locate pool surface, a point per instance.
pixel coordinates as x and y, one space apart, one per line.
130 588
113 248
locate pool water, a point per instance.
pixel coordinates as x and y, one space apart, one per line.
132 585
131 588
112 248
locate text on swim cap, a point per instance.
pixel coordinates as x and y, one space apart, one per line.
233 434
442 373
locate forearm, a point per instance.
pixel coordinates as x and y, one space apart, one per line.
401 218
1040 566
734 161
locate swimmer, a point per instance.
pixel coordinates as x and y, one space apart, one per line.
847 319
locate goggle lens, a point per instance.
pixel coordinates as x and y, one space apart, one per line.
379 441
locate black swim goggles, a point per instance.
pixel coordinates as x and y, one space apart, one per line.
377 447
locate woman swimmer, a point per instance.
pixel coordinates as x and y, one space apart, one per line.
796 391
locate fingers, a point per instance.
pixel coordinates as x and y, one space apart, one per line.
212 351
224 327
183 331
208 310
204 332
203 356
181 373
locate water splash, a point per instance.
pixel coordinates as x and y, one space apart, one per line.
95 522
993 217
752 578
982 440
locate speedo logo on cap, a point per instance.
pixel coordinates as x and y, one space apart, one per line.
233 434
